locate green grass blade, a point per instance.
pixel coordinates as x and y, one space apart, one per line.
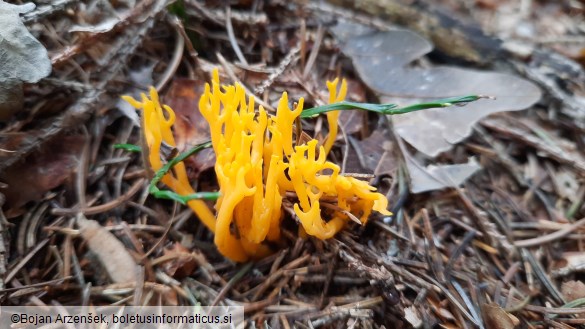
183 199
380 108
389 109
128 147
445 102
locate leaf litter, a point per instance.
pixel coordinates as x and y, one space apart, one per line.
441 260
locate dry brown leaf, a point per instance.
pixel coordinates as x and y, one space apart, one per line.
44 170
351 121
182 263
190 127
111 253
382 61
377 156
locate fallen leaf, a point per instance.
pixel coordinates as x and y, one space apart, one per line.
351 121
382 61
375 150
436 130
182 263
111 253
190 127
44 170
380 58
432 177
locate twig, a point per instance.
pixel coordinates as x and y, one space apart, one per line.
103 207
234 78
174 62
550 237
290 59
232 37
314 52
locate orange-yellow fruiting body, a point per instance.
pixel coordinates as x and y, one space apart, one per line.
333 116
157 129
257 163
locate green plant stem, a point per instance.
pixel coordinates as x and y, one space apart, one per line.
183 199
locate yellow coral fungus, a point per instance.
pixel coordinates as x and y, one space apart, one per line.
333 116
157 129
257 163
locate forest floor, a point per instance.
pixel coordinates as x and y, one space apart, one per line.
503 249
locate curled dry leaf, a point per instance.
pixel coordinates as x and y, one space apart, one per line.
111 253
181 263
